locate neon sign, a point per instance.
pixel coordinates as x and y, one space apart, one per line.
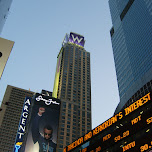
77 39
22 125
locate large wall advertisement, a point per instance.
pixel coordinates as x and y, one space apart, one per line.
43 127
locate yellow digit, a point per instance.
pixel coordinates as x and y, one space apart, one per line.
142 148
117 138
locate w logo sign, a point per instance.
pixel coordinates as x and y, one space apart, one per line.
77 39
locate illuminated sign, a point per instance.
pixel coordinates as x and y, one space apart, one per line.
128 146
22 125
47 101
77 39
75 144
125 124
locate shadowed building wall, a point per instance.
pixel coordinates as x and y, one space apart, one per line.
131 37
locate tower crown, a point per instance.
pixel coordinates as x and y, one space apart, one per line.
74 38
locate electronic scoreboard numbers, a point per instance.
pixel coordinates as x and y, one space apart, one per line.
128 131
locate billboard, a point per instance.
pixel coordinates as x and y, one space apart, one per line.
43 127
77 39
22 125
5 50
129 130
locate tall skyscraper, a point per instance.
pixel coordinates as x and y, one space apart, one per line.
4 9
131 37
73 86
5 50
10 113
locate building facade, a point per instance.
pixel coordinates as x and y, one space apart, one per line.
10 113
73 87
5 50
4 10
131 37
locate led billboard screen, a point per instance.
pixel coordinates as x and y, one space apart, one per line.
42 131
77 39
129 130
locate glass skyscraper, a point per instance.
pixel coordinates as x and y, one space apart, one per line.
131 37
73 87
4 9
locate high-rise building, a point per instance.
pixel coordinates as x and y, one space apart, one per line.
5 45
131 37
10 113
4 9
73 87
5 50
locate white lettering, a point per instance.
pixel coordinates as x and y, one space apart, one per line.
25 114
22 128
20 135
23 121
26 107
47 102
76 38
27 101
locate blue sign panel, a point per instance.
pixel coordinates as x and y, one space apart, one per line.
22 125
77 39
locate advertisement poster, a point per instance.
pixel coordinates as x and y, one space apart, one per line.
42 131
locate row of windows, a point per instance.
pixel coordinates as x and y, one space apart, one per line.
140 93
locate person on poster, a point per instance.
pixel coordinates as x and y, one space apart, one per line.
45 142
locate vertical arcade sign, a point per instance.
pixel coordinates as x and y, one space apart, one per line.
22 125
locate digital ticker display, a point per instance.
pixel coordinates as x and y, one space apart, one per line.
128 131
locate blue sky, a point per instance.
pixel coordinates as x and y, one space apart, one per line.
38 28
